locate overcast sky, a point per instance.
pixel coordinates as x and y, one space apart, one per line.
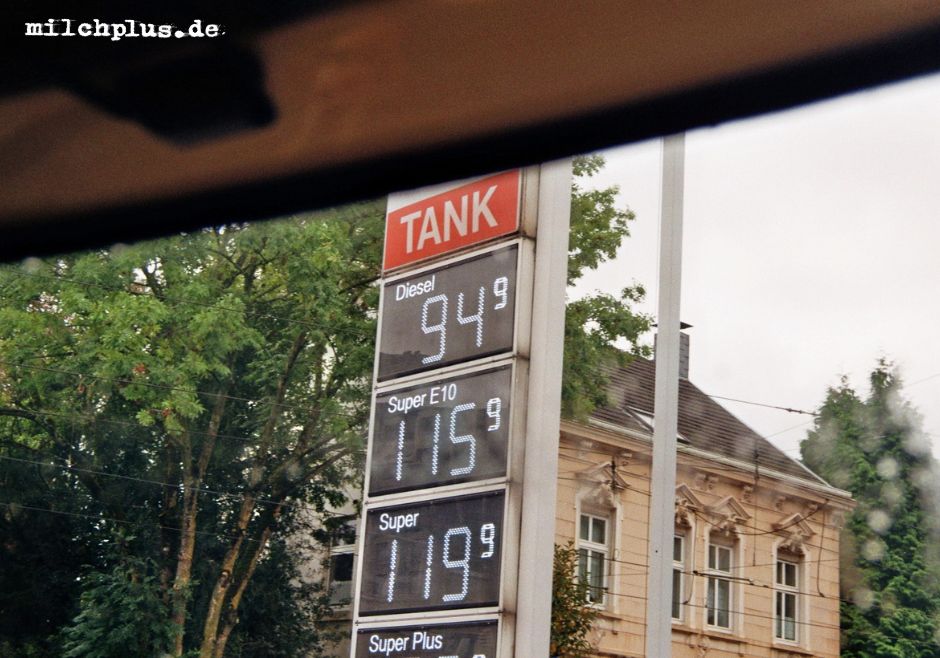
810 250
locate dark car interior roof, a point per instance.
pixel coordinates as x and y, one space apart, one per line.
308 104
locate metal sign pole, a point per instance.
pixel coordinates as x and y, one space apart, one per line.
663 484
456 541
534 598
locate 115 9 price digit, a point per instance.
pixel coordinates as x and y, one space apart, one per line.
451 430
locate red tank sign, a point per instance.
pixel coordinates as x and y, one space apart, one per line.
443 220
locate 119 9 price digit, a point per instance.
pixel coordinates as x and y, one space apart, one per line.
433 555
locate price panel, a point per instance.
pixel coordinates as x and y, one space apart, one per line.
447 431
455 313
434 555
468 640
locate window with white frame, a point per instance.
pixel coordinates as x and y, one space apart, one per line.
678 576
718 603
341 561
786 599
593 556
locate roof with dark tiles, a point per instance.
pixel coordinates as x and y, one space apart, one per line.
703 423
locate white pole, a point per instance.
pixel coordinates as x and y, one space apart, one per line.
534 597
663 484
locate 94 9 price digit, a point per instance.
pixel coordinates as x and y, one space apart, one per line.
457 312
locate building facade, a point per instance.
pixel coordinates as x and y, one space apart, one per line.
756 544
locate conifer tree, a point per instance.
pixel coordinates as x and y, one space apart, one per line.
875 449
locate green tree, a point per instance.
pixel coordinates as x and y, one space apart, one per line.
876 449
219 379
121 613
572 615
600 328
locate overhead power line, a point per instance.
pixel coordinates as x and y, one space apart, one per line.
166 387
763 404
158 483
93 419
177 301
15 507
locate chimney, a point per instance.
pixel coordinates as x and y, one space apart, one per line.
683 350
683 353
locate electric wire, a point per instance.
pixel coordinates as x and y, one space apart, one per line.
744 581
15 507
93 419
168 485
614 449
320 326
287 320
166 387
175 301
756 615
763 404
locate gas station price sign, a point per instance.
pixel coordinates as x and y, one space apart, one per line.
433 555
455 313
447 431
467 640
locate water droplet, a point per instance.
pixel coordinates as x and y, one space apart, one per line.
888 468
873 550
879 521
31 265
864 598
891 494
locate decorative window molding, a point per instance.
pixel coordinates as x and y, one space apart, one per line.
728 514
705 482
598 497
747 493
601 485
790 605
795 532
687 504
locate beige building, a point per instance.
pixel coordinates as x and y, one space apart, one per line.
756 548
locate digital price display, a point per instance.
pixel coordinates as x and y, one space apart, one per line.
455 313
468 640
438 554
447 431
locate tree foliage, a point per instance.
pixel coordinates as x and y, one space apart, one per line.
121 613
600 328
875 449
206 391
572 615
